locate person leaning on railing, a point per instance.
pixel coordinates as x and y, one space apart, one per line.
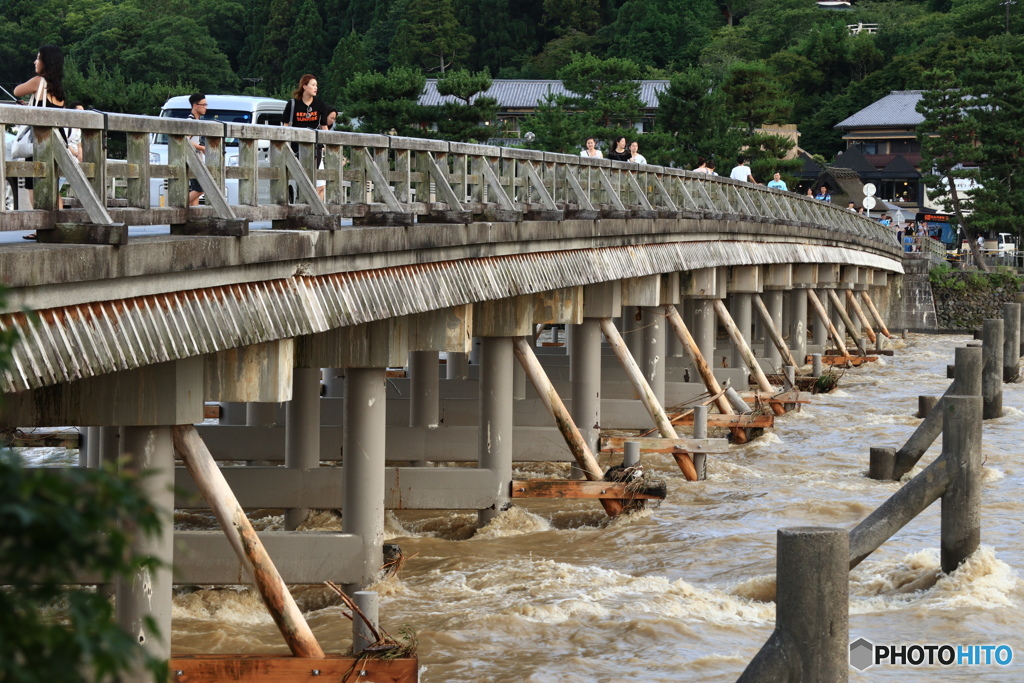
49 79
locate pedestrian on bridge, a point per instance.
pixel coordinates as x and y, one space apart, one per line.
47 90
198 103
635 156
306 110
590 149
742 171
619 151
777 183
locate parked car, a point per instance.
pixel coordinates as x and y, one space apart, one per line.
228 108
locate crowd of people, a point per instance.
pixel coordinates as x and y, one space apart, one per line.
621 150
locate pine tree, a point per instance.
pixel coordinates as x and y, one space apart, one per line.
307 52
277 33
348 60
947 139
431 37
755 95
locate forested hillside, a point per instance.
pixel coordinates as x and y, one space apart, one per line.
731 62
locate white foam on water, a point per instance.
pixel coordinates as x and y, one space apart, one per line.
232 605
516 521
982 581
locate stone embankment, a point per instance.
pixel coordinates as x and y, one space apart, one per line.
964 299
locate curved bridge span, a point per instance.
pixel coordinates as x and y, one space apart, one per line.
496 223
292 335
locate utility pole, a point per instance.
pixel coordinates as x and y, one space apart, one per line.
1006 4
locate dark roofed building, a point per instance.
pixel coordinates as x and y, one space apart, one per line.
883 135
517 98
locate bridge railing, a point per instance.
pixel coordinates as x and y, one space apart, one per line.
370 178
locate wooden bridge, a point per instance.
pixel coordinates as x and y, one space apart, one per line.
420 247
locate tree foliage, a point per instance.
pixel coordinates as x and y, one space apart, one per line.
56 525
385 102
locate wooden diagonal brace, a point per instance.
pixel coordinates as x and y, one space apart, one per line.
577 189
538 184
638 191
380 183
214 192
494 183
95 206
444 188
665 196
606 183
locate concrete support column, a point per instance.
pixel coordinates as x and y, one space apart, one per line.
837 318
705 327
457 365
146 595
741 316
261 414
992 372
103 446
773 302
798 324
363 454
89 446
495 432
811 637
475 350
1011 341
424 389
652 360
585 364
631 330
302 432
961 502
334 382
819 336
519 382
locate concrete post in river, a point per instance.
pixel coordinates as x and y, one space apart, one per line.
1011 342
810 641
961 502
992 372
967 382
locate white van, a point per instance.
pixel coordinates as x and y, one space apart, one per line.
229 108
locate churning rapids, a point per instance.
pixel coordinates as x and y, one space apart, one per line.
552 591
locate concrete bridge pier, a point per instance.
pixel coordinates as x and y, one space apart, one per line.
424 386
302 432
145 598
457 365
646 342
599 301
804 278
776 280
744 282
495 323
702 286
365 352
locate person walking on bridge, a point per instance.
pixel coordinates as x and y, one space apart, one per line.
742 172
198 102
590 149
306 110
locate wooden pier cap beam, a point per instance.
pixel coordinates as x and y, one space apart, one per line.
559 306
603 300
378 344
446 329
258 373
156 395
641 291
